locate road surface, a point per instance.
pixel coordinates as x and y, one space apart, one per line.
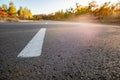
70 51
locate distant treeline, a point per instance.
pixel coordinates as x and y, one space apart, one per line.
106 10
11 12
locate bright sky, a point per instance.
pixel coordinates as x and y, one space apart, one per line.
49 6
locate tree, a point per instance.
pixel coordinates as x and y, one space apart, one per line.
20 12
3 13
30 14
78 8
26 13
91 6
105 10
12 9
59 15
4 7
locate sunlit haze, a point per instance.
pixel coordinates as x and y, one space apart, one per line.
49 6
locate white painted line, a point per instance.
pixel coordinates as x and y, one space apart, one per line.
34 47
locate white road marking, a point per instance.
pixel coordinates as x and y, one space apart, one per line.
34 47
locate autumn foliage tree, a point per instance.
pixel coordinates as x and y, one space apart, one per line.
20 12
81 9
12 12
24 13
12 9
3 14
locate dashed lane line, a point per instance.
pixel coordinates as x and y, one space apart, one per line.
34 47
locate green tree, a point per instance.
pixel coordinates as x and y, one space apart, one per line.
4 7
12 9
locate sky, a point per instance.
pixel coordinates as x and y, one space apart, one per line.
49 6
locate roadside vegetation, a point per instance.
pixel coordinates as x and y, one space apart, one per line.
11 13
105 13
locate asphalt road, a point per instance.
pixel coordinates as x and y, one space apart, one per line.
71 51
